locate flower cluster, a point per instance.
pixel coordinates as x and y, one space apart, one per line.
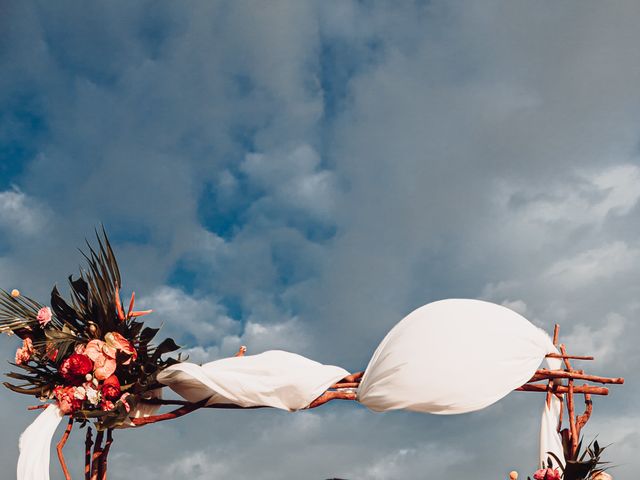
91 355
89 375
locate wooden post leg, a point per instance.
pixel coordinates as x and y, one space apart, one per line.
87 454
60 446
105 453
97 453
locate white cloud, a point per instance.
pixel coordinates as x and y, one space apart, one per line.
202 318
594 265
292 180
588 198
600 340
20 214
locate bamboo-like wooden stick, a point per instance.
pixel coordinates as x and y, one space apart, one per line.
543 374
87 454
328 396
538 387
95 458
105 454
556 333
588 408
570 405
184 410
345 385
60 446
572 420
575 357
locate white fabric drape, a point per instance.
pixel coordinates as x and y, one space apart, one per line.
453 356
274 378
550 439
35 445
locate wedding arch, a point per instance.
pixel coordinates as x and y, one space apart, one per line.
93 361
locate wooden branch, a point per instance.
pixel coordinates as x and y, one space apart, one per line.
538 387
87 454
228 406
354 377
188 408
328 396
572 421
95 458
575 357
556 333
60 446
543 374
38 407
105 453
345 385
588 408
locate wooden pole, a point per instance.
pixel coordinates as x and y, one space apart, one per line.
556 333
543 374
87 454
588 408
60 446
105 454
539 387
95 458
188 408
564 356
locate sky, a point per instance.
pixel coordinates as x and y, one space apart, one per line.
301 175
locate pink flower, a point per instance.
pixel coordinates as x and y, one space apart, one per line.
117 341
107 405
547 474
44 316
23 354
67 400
79 348
104 358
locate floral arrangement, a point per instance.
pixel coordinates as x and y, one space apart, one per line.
582 466
88 354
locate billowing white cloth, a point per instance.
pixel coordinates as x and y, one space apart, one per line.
453 356
550 439
35 444
274 378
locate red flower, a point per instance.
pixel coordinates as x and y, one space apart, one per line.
107 405
111 388
75 367
67 400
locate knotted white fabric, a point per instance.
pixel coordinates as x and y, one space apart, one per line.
453 356
274 378
35 444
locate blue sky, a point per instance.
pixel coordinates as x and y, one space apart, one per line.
301 175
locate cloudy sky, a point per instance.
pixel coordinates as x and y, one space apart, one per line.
301 175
